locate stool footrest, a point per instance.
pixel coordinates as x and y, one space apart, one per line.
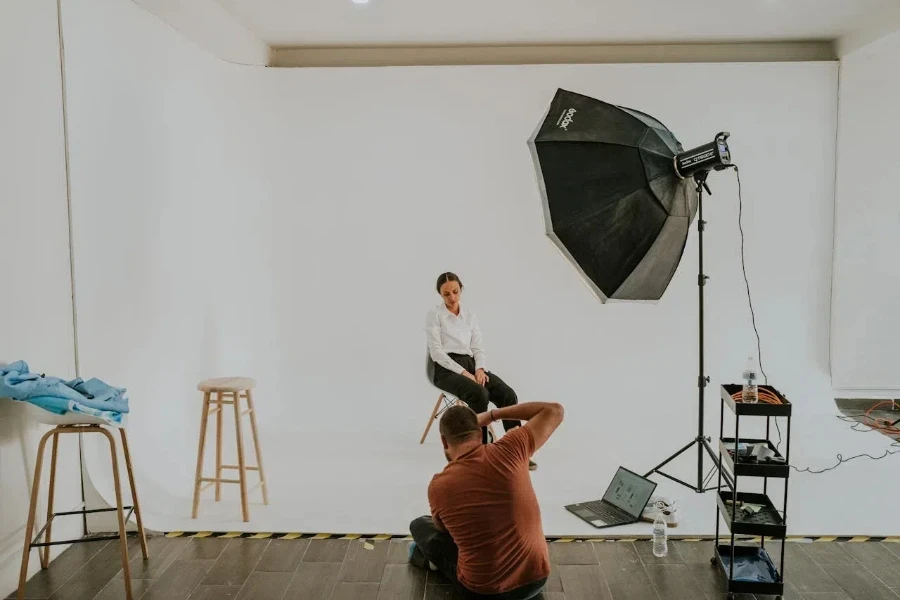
88 512
217 480
216 409
36 544
238 468
102 538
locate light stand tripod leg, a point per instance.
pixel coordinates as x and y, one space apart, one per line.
702 379
670 459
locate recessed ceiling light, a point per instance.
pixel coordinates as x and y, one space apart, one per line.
360 1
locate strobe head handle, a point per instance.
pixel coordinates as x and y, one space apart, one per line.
712 156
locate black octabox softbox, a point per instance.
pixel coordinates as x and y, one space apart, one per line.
613 202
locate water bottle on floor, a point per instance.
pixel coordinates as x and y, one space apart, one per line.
660 535
750 394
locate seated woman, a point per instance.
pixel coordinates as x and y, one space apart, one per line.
454 343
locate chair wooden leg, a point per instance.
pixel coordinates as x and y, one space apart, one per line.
437 406
45 551
219 449
120 513
242 471
32 509
199 475
256 446
134 495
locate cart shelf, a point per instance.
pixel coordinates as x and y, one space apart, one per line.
767 522
760 409
745 467
755 571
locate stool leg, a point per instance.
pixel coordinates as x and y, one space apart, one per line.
32 509
204 417
120 513
45 551
242 472
259 462
134 495
437 406
219 450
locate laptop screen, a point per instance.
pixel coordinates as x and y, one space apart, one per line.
629 492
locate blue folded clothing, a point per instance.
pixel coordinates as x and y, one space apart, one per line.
93 397
754 566
19 383
100 395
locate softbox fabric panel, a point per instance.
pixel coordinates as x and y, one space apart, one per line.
613 203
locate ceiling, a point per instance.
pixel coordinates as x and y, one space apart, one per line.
297 23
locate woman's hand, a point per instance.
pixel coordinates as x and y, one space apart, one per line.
470 376
481 377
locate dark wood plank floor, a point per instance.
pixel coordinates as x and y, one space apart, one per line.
251 569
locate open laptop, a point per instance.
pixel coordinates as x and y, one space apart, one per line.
623 502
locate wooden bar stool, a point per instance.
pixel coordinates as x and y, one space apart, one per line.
74 423
220 392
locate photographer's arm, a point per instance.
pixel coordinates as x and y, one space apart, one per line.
542 418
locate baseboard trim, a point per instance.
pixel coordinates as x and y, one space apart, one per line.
380 56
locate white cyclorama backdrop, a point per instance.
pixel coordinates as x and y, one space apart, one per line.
289 225
866 323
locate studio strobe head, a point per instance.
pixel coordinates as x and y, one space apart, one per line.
713 156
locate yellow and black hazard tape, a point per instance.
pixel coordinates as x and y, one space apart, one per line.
388 536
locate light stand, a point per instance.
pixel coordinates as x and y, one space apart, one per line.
701 440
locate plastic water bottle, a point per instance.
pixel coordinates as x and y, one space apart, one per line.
751 391
660 535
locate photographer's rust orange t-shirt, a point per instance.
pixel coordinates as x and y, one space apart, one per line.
487 503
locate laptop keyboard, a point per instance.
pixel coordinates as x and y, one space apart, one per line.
608 512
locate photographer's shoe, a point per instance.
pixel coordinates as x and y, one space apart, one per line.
417 559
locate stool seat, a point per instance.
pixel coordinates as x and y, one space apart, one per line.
227 384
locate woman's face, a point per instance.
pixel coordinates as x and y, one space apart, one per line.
450 292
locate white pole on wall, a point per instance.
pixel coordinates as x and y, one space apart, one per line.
65 123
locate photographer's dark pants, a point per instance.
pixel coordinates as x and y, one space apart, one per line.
440 549
475 395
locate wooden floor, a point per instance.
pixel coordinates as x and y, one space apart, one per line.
248 569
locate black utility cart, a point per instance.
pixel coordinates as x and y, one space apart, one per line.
747 513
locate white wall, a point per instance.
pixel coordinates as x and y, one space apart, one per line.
865 353
289 224
167 107
211 27
35 299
